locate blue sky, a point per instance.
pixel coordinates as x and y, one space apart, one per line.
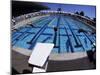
89 10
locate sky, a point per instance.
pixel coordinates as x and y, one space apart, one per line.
89 11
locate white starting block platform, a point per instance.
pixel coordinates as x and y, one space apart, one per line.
39 55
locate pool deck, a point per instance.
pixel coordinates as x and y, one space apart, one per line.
20 64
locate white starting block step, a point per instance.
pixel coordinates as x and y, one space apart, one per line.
35 69
39 55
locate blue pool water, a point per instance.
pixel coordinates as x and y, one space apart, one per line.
58 29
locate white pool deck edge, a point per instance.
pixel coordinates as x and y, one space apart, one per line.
53 56
67 56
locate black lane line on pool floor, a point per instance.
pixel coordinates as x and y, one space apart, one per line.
34 39
69 40
78 37
85 35
23 33
76 41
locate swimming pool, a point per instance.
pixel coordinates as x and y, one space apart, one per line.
67 34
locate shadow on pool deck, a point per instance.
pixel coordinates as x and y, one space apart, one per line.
20 64
70 65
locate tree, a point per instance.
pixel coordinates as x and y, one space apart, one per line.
77 12
82 13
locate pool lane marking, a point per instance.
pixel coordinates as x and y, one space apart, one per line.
79 28
34 39
39 30
52 21
22 34
18 38
40 20
76 35
25 36
75 39
14 34
70 44
73 32
47 38
59 49
83 32
57 34
86 36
